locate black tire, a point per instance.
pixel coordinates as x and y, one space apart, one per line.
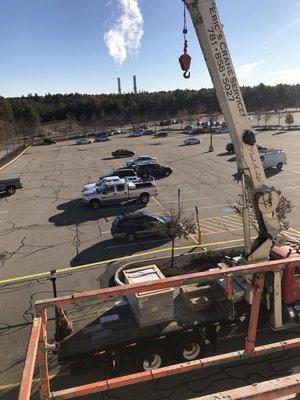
144 198
10 190
191 347
131 237
94 204
152 358
279 166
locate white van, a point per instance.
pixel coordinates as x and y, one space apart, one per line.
273 158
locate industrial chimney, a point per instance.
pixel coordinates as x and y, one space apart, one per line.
119 86
134 85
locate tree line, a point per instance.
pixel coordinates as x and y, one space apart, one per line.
24 114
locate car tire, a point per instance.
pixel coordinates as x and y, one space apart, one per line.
144 198
279 166
10 190
94 204
131 237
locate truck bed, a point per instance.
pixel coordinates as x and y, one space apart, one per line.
99 325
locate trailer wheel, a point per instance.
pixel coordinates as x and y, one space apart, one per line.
10 190
152 358
191 348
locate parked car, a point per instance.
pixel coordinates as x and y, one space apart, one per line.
48 141
220 130
192 140
119 192
140 159
147 170
112 132
83 141
121 173
102 137
148 132
273 158
188 128
136 134
160 134
230 148
9 186
140 224
123 153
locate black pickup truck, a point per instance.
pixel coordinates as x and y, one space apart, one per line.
10 185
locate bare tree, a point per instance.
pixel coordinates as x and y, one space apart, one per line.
258 116
179 226
283 209
266 118
279 115
289 119
182 115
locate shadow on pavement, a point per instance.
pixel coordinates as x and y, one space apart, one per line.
271 172
232 159
223 154
75 212
113 248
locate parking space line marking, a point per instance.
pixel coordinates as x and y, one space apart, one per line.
227 221
41 275
197 198
290 187
205 207
211 226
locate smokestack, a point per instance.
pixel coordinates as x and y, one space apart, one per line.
134 85
119 86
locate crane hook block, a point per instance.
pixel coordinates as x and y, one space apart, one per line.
249 138
185 62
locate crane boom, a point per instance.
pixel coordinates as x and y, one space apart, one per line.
209 30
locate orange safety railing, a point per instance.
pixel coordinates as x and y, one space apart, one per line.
38 340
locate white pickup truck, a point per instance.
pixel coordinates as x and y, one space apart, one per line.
119 192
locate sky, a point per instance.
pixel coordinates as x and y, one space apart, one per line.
67 46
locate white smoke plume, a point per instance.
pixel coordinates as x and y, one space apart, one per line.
125 36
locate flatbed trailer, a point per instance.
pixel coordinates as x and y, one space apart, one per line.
39 344
102 327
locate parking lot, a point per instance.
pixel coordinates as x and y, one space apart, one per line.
45 226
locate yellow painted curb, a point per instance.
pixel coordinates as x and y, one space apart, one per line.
98 263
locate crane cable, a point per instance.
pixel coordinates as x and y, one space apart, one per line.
185 59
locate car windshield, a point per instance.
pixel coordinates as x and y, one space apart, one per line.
157 217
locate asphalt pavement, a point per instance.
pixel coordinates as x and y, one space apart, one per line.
45 226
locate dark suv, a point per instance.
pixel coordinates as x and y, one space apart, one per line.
146 170
140 224
160 134
230 148
121 173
